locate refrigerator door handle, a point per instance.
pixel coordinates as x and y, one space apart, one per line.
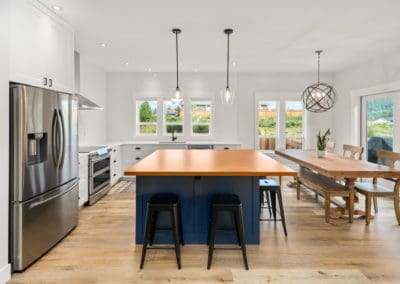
35 204
54 147
62 139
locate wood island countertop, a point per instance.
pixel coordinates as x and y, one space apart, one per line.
209 163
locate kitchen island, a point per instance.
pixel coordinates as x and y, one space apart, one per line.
195 175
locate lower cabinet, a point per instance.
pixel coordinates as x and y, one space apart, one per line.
116 164
83 178
226 146
133 153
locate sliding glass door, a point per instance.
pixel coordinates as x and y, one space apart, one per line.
280 125
380 124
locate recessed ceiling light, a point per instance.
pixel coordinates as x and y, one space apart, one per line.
102 44
126 63
233 63
57 8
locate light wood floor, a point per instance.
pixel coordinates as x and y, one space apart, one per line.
101 250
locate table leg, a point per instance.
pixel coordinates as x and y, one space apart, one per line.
348 209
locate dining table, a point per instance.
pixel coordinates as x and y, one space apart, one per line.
341 168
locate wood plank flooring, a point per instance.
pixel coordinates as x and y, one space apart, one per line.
102 250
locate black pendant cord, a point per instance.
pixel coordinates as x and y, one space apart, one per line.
227 66
319 59
228 33
177 61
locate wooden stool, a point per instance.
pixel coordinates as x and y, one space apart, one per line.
157 203
269 186
232 203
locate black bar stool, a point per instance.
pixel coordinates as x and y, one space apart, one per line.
271 187
226 202
157 203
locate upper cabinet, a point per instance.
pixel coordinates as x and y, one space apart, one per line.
42 47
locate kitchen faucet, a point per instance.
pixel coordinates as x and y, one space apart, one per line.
173 135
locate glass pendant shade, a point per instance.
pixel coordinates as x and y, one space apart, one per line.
319 97
227 96
178 97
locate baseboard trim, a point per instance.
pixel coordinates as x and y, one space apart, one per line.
5 273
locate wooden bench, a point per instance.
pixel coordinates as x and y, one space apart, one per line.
324 186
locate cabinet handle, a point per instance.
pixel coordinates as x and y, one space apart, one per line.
115 161
138 158
114 175
138 148
226 148
45 81
50 83
114 150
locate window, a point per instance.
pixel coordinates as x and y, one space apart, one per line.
173 117
293 125
380 124
146 117
267 124
201 117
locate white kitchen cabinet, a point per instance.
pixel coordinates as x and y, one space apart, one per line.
116 164
41 47
226 146
83 178
133 153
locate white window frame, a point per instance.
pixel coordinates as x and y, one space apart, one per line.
281 98
138 123
165 123
192 124
277 130
285 135
395 96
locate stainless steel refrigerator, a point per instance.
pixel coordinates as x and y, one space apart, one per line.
44 171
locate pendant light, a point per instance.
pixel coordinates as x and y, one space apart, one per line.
227 95
319 97
178 94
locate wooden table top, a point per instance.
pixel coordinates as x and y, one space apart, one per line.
336 166
209 163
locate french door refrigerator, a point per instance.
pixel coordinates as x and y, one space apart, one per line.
43 171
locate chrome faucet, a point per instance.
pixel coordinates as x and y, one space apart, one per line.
174 137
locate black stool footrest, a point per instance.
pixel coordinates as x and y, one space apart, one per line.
226 202
157 203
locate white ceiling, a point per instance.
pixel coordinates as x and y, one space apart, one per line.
270 35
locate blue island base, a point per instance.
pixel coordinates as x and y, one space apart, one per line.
195 193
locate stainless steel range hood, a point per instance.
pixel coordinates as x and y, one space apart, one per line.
86 104
83 102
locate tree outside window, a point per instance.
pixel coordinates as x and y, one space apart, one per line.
146 117
173 117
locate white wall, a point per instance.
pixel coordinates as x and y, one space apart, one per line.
4 153
379 71
232 123
92 123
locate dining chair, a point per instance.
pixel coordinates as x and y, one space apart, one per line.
354 152
374 190
330 146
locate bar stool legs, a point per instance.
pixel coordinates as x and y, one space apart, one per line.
273 189
168 203
232 204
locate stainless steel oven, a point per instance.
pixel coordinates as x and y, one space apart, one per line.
99 174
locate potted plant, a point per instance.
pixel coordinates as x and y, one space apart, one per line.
321 143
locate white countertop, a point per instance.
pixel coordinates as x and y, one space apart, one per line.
168 142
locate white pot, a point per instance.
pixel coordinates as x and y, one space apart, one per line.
321 153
